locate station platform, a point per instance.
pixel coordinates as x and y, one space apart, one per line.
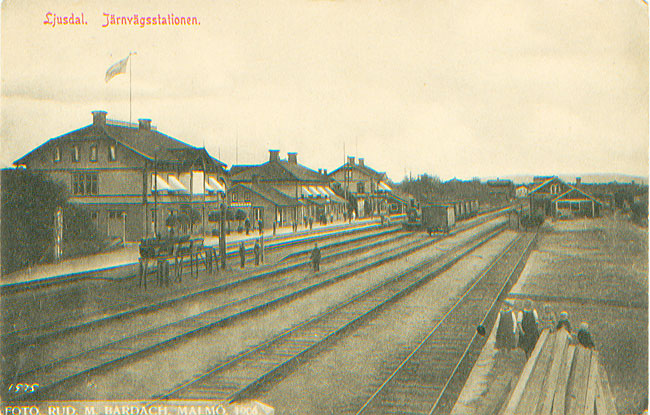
128 255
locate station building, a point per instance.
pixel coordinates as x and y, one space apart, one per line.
367 189
553 197
283 191
131 177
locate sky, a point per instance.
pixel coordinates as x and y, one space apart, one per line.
450 88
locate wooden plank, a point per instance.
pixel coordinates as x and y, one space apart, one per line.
560 397
533 392
590 400
550 385
577 389
609 406
517 393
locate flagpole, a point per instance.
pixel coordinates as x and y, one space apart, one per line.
130 65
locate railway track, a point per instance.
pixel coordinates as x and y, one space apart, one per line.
120 309
429 379
108 355
238 377
276 243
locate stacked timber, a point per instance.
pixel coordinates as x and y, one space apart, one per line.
561 377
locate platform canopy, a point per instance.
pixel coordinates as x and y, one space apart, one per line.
158 184
215 185
176 185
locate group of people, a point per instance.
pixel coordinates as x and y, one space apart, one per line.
522 329
258 252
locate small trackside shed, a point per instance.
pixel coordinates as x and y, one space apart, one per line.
576 203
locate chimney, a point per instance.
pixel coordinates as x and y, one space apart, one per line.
320 171
351 160
325 172
361 162
293 158
274 155
578 181
144 124
99 117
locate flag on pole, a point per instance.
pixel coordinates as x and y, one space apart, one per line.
117 68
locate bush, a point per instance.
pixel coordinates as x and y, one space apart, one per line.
29 202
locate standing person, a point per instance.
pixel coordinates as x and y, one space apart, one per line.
315 257
528 324
275 225
242 254
584 336
256 252
563 321
311 223
548 319
262 248
506 337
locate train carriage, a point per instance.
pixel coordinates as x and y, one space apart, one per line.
438 217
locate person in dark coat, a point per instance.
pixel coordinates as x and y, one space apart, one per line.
256 252
242 254
315 257
563 322
584 336
262 248
311 223
506 336
529 327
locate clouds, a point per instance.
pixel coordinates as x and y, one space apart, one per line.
449 88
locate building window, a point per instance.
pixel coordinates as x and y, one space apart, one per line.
247 196
57 154
235 197
84 184
112 155
93 152
361 188
575 206
115 214
94 215
75 153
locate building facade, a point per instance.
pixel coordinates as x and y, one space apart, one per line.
366 189
283 192
553 197
132 178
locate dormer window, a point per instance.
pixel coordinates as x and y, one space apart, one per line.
112 156
93 152
57 154
75 153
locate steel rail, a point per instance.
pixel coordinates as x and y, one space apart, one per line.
273 270
213 324
435 328
286 297
445 319
358 299
150 306
485 317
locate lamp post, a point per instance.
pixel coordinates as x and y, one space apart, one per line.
222 236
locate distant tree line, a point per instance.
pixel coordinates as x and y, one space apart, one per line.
430 189
29 202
